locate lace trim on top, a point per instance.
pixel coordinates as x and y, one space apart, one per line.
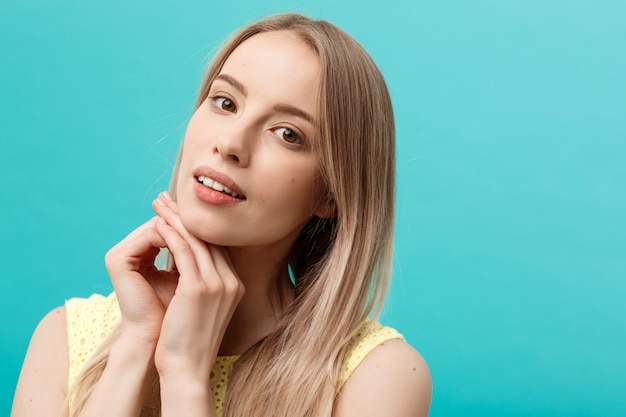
91 320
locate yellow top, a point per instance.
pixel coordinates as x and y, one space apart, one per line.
90 320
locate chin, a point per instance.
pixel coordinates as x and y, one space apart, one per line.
202 226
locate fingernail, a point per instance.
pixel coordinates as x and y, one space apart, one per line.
160 220
167 195
159 201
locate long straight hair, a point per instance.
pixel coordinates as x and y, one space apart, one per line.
341 265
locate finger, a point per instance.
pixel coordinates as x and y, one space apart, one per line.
214 275
167 197
163 208
213 262
140 245
221 260
225 270
182 252
142 238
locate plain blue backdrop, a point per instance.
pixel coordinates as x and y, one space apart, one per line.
510 272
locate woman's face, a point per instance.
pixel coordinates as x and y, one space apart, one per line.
254 135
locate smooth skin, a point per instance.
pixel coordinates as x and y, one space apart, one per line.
223 296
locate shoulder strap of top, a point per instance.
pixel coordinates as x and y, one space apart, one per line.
89 322
370 335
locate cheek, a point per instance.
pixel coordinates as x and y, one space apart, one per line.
304 195
184 212
289 201
196 128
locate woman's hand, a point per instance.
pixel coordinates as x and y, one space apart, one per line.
205 299
143 291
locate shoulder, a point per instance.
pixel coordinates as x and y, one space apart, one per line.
392 380
51 329
370 335
50 340
42 384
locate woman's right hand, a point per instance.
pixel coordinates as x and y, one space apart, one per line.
143 291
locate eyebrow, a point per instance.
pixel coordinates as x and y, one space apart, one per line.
281 108
233 81
294 111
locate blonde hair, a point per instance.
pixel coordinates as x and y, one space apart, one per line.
341 265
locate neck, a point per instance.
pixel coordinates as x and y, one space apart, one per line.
268 292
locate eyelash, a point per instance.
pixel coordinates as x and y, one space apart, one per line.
298 140
298 137
216 99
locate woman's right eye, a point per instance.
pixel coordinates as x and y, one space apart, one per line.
225 104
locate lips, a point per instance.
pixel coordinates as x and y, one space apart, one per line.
218 181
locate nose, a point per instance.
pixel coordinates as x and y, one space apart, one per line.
235 146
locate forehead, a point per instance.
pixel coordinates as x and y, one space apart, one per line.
278 66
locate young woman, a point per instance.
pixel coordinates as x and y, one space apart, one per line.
279 228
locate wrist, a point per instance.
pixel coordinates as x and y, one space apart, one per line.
137 346
133 357
186 393
192 368
126 381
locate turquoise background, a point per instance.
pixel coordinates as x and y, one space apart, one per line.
510 259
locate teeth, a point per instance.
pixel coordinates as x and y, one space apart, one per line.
206 181
216 185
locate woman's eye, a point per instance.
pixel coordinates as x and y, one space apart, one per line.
288 135
226 104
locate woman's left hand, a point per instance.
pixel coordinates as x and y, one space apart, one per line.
205 299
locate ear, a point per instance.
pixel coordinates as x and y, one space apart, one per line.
327 209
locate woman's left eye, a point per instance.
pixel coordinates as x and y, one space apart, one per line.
288 135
